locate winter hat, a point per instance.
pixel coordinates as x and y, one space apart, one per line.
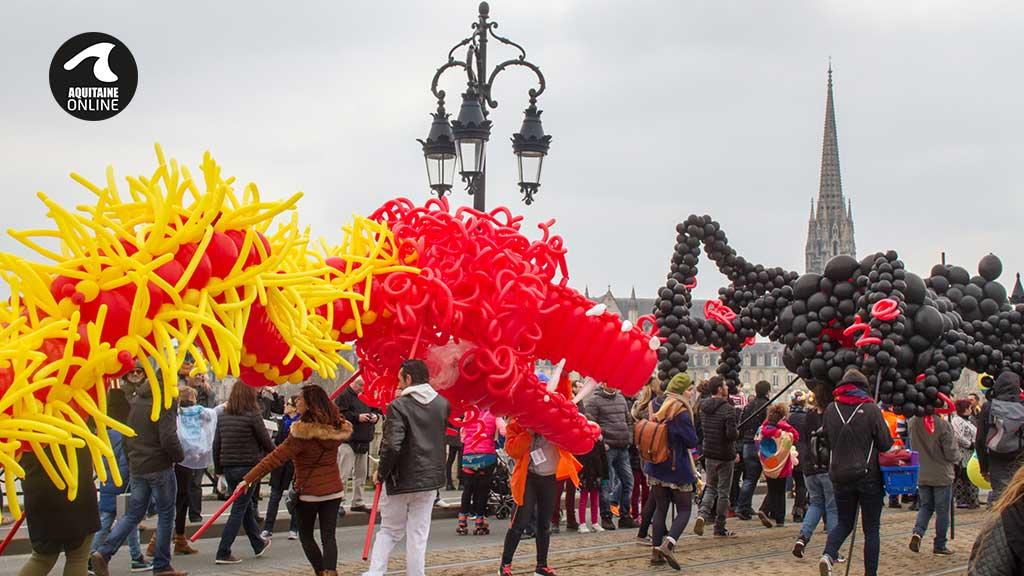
679 383
855 377
762 388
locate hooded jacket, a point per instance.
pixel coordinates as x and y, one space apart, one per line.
682 437
1006 388
608 407
718 424
313 449
937 451
412 448
155 446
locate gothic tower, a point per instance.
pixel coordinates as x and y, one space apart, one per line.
830 227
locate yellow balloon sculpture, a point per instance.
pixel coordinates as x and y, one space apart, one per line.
974 473
179 265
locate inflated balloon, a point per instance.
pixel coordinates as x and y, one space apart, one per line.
974 473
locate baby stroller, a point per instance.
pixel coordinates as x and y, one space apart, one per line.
500 503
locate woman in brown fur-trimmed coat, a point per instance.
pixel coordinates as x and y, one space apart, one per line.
312 445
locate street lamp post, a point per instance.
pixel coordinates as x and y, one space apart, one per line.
464 139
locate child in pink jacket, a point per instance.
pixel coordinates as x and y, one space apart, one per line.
479 457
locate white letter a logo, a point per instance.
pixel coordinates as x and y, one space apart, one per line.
101 69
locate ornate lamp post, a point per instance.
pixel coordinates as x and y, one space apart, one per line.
465 139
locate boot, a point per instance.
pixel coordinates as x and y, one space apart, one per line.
182 547
666 552
462 529
151 547
656 559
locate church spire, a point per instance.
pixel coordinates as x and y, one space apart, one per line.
830 187
1017 296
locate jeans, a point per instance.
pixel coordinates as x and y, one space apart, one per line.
162 487
327 512
751 474
538 502
620 480
866 495
775 501
76 559
822 503
106 522
933 500
242 515
664 497
716 491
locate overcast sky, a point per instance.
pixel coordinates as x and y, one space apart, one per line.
657 109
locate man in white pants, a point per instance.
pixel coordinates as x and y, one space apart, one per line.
412 462
353 454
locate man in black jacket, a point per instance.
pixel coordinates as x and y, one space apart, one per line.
753 414
152 454
718 421
354 453
999 465
411 467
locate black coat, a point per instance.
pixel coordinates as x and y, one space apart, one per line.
53 522
155 446
595 466
808 423
241 440
718 424
867 427
351 407
1006 388
750 428
412 448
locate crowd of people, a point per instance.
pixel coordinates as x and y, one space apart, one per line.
676 450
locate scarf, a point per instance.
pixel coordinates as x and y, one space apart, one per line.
851 395
671 407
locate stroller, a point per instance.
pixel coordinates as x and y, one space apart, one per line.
500 503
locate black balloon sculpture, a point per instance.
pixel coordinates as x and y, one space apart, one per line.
913 336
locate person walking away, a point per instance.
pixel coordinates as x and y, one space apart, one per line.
856 431
751 463
117 408
55 524
797 414
820 494
1000 439
965 493
411 468
238 445
539 465
608 407
152 454
479 459
999 548
672 481
281 477
311 447
197 426
935 442
353 456
777 439
595 469
718 423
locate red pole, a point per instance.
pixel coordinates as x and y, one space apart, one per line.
10 535
206 525
346 384
373 521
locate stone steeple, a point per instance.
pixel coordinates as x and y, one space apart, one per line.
1017 296
830 226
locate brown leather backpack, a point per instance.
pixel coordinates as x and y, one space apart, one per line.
651 438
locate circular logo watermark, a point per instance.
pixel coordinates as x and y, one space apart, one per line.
93 76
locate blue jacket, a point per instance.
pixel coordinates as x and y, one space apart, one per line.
682 436
108 491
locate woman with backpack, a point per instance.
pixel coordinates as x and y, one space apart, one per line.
856 431
777 439
1000 439
672 479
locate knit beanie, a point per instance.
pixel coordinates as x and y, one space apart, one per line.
679 383
856 377
762 388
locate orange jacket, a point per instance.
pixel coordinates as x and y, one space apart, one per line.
892 420
517 445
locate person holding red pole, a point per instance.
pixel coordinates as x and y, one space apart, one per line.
411 468
312 447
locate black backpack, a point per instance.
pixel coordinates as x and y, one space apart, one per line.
846 471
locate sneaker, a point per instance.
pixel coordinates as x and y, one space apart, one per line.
607 524
506 570
266 546
625 523
764 519
293 535
583 529
915 543
943 552
543 571
798 547
644 540
341 512
227 560
725 534
841 559
99 564
825 566
141 565
598 528
360 508
266 535
698 526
